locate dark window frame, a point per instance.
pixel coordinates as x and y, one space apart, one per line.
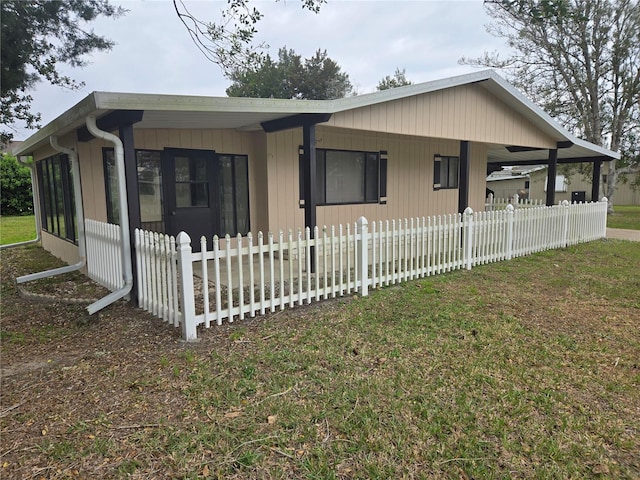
57 201
371 157
438 162
111 217
234 191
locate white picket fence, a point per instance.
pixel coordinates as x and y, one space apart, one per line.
246 276
104 254
492 203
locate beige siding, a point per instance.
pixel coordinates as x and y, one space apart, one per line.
409 177
63 249
467 112
508 187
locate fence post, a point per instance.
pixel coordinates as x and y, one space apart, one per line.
467 227
516 200
603 232
185 288
363 255
510 221
565 223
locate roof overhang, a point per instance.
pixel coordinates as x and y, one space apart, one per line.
191 112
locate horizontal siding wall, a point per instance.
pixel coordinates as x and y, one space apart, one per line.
409 177
466 112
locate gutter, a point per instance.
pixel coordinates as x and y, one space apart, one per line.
36 207
124 218
75 169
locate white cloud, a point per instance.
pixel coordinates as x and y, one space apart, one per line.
368 39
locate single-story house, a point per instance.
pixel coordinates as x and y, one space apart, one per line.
214 166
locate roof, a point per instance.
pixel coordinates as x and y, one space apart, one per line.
510 173
184 111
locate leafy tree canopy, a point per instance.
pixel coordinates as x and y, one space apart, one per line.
230 42
15 187
38 36
580 60
399 79
316 78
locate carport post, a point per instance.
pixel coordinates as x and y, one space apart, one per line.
595 181
310 197
551 176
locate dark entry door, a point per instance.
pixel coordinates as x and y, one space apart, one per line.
190 192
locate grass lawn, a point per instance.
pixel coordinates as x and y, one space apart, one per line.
521 369
625 216
17 229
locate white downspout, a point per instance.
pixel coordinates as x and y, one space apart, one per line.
82 261
124 217
36 207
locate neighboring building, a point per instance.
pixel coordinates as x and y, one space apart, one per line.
510 181
579 188
212 166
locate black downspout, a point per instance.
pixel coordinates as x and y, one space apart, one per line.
310 197
595 181
133 195
551 176
463 183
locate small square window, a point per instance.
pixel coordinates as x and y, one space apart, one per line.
445 172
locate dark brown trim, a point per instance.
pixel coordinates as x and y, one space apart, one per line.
125 132
463 175
310 197
546 160
111 122
595 182
551 176
295 121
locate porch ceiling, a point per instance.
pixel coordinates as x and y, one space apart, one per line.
500 154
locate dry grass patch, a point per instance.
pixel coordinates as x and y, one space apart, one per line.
523 369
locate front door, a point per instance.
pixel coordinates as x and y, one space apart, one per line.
190 194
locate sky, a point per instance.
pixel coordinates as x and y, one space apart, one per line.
369 39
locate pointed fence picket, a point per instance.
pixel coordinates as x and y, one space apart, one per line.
247 276
104 254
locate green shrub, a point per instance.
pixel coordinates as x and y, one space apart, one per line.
15 187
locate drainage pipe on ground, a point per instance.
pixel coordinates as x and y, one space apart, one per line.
124 217
82 261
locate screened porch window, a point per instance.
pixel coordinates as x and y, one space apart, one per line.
233 186
149 167
55 181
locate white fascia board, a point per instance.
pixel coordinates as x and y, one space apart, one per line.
75 114
398 93
187 103
541 114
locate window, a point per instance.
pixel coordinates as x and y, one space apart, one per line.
561 183
526 184
57 201
233 187
348 177
149 166
445 172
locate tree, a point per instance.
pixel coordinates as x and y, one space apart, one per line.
580 60
399 79
317 78
38 36
15 187
229 43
